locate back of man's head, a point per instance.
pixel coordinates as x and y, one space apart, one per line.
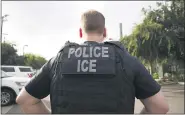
93 22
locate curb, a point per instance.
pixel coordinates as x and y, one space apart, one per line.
164 84
178 91
181 83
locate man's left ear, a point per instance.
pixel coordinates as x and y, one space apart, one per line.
80 32
105 33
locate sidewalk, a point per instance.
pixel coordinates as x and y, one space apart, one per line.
169 83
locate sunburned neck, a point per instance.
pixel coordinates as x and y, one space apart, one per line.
98 39
94 41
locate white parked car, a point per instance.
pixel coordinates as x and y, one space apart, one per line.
10 87
18 71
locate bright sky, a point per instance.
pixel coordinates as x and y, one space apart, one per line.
45 25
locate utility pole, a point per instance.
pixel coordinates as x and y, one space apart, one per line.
120 29
3 19
4 37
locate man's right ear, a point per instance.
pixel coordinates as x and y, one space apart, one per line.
80 32
105 33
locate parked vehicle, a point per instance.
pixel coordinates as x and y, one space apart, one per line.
18 71
10 87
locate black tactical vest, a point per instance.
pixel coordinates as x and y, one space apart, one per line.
92 79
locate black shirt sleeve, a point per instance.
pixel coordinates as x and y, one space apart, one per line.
39 85
145 85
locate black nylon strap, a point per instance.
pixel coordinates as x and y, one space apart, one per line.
68 43
117 44
120 46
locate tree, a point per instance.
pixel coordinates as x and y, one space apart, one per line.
171 16
35 61
19 60
144 41
8 54
160 35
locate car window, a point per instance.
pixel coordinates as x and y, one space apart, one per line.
3 74
22 69
8 69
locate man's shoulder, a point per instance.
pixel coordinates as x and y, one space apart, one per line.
66 44
53 59
127 57
52 62
117 44
114 42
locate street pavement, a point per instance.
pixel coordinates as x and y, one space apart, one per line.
173 93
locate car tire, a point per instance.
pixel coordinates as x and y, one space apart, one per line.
7 97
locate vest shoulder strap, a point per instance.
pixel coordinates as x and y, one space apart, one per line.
121 48
116 44
123 52
68 43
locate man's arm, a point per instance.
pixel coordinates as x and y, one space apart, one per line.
149 91
38 88
30 104
155 104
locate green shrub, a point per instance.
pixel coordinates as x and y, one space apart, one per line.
156 76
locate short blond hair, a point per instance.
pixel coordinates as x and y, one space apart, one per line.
93 21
